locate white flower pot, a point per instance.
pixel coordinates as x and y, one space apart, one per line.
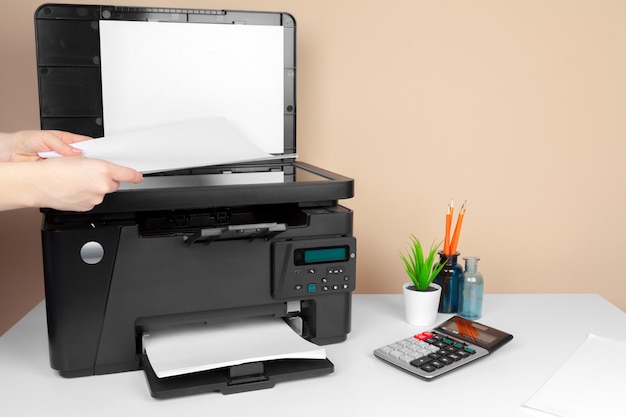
421 307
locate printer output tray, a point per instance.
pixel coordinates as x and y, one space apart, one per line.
240 378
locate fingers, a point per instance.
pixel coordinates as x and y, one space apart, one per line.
67 137
118 174
124 174
59 141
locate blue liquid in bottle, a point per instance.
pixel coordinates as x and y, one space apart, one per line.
471 290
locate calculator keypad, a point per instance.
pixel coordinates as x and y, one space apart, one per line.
429 354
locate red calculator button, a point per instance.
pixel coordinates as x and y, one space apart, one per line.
423 336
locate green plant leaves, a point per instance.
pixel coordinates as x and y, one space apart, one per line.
422 271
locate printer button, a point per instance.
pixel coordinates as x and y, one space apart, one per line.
311 288
311 271
298 287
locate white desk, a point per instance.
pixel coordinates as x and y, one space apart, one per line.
547 329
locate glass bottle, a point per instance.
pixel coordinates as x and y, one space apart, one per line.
471 290
448 278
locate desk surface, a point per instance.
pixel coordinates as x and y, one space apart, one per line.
547 329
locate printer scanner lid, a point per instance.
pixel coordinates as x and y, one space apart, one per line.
104 70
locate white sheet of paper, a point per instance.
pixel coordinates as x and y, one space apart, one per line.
201 348
168 72
195 143
590 383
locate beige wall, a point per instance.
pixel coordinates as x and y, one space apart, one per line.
517 106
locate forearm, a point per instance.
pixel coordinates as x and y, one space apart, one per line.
6 146
18 185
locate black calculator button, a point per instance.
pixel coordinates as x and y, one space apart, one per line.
435 340
419 362
428 368
437 364
435 356
454 357
446 360
462 353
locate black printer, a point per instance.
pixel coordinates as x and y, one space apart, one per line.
202 245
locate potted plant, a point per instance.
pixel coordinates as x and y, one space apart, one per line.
421 295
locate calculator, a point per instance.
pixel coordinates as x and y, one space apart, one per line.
455 343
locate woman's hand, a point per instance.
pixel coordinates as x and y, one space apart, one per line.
25 145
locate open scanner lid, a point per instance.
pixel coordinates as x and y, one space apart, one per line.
109 69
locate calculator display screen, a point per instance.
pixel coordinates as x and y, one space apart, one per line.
471 332
476 333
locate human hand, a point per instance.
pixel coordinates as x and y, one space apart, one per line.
25 145
79 184
72 183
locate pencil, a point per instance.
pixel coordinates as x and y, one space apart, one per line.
446 241
457 230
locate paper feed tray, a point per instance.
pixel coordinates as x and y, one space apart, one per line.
235 379
229 357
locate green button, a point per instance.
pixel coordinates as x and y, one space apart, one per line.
311 288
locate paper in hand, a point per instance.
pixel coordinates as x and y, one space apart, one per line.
196 143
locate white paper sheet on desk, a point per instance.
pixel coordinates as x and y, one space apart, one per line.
590 383
195 143
201 348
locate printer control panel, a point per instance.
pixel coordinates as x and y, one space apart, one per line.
313 267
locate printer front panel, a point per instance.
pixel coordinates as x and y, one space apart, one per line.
144 283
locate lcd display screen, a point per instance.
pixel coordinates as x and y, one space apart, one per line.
321 255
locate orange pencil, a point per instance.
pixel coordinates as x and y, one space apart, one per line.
446 241
457 231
